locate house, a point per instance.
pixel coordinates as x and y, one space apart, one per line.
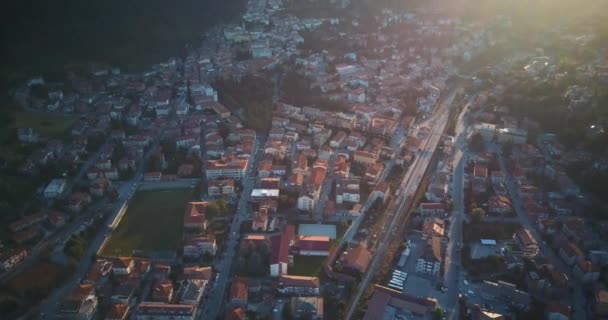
280 256
557 311
194 247
11 258
306 200
220 187
480 179
239 291
523 237
258 195
28 221
433 227
260 220
586 271
118 311
195 219
430 261
191 291
155 176
365 157
80 304
600 303
479 313
162 291
504 292
571 253
347 190
236 314
54 189
185 170
163 311
356 259
122 265
77 201
386 301
499 205
310 308
432 208
98 273
298 285
226 168
311 246
381 191
373 172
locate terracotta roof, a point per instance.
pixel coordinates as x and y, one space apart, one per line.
299 281
357 258
117 311
235 314
238 289
384 298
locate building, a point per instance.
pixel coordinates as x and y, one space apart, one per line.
162 291
529 247
504 292
280 257
11 258
512 135
299 285
118 311
226 168
309 308
600 304
427 208
356 259
54 188
364 157
80 304
258 195
220 187
430 261
163 311
195 219
239 291
320 230
347 190
311 246
390 304
196 246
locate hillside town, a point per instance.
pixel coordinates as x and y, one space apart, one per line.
337 167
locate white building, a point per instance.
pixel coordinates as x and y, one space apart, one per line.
54 189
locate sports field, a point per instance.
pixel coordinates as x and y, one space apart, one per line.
153 222
52 125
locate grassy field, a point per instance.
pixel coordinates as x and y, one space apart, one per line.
153 222
47 124
310 266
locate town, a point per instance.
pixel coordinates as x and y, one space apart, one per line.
344 165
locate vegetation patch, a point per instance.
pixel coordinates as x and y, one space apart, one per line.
52 125
310 266
153 222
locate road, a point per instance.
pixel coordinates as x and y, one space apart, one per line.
405 192
213 306
452 256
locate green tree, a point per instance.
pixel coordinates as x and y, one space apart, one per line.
477 144
438 314
478 214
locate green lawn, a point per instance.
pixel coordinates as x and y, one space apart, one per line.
48 124
153 221
307 266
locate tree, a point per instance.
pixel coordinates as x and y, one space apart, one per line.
478 214
438 314
477 144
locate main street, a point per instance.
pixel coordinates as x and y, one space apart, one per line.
452 256
405 192
212 307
